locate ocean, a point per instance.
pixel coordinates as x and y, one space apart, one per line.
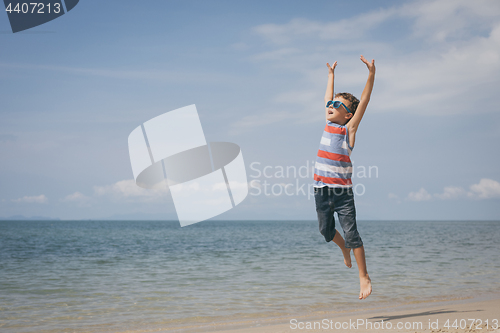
116 276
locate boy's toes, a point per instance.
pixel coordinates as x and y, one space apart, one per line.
364 295
347 262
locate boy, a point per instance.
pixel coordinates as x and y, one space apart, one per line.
333 169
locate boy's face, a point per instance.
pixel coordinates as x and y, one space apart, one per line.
340 115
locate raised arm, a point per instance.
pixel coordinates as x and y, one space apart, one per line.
353 124
329 85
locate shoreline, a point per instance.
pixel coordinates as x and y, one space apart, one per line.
423 316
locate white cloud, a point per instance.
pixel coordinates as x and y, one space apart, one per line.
440 20
77 197
451 192
420 195
485 189
33 199
442 73
129 191
432 20
394 197
303 29
448 46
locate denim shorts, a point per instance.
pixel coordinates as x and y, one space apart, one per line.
340 200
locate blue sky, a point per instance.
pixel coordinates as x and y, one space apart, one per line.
74 88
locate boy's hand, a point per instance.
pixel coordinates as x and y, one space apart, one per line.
371 66
332 68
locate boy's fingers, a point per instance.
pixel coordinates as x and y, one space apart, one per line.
363 59
332 66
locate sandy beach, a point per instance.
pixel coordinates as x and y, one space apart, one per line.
65 276
458 315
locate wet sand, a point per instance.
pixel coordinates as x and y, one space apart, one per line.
460 315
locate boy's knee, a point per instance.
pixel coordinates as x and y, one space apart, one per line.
328 234
353 240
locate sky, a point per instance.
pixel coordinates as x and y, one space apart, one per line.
73 89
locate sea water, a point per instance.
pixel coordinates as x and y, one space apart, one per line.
112 276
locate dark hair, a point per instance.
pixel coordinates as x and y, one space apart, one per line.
350 97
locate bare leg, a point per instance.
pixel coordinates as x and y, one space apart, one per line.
337 239
365 283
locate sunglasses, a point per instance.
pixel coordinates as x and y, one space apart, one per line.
337 104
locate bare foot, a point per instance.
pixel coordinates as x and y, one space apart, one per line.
365 285
347 257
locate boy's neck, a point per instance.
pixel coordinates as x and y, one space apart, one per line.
334 122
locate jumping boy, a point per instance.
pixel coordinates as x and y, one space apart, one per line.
333 170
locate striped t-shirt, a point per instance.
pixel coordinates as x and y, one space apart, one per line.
333 166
